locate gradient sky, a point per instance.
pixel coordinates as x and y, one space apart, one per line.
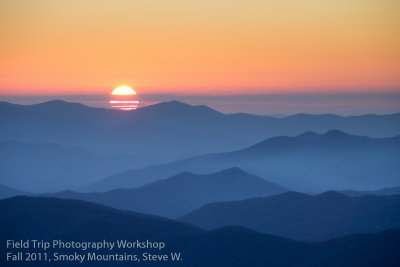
199 47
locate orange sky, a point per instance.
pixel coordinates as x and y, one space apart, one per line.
194 47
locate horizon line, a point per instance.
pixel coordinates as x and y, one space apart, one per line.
169 101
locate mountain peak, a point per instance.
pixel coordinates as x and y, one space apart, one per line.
168 105
336 133
177 106
233 170
177 111
185 175
57 104
332 195
173 103
308 136
343 137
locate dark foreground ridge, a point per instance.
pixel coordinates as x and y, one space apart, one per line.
303 217
49 218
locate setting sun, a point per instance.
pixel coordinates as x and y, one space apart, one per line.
123 90
124 98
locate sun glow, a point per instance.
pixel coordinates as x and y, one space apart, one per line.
124 98
123 90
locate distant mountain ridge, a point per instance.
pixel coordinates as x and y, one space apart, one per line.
304 217
45 167
308 162
380 192
6 192
182 193
48 219
171 130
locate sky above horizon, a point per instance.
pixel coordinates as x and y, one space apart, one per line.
199 47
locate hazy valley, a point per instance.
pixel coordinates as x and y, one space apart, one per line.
238 189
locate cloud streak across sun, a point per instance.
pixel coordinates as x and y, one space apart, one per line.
124 98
